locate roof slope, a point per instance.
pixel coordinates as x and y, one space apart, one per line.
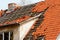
15 16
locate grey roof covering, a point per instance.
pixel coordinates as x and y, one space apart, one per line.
19 13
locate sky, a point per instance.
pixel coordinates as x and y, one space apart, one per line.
4 3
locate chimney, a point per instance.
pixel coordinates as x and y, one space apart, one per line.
12 6
1 12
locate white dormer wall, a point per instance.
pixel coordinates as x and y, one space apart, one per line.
24 29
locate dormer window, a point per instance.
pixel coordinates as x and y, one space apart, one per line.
6 35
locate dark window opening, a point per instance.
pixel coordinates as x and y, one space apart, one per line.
6 36
1 37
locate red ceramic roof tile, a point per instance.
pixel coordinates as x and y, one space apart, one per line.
50 27
16 16
1 12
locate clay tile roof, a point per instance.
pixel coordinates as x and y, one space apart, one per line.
16 16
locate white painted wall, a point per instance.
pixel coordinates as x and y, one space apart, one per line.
25 28
58 38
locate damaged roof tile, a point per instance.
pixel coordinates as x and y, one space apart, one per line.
23 13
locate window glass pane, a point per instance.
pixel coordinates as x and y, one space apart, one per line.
6 35
11 35
1 37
